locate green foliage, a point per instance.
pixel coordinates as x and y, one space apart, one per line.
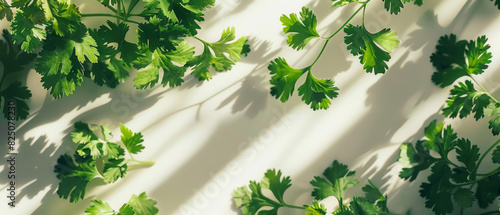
373 50
96 157
70 51
337 179
456 59
137 205
12 61
450 182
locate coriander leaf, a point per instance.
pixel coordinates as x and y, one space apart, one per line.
226 55
360 206
315 209
407 154
283 79
12 58
496 155
465 99
374 196
338 180
132 141
422 160
153 62
126 210
19 95
114 169
26 33
393 6
5 11
317 92
440 140
454 59
437 191
301 31
418 2
159 32
467 153
487 190
61 61
66 17
493 110
74 179
186 13
116 33
90 144
142 205
278 185
98 207
341 2
361 42
464 197
82 133
243 200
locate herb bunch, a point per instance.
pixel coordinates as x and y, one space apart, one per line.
68 51
336 181
373 50
96 157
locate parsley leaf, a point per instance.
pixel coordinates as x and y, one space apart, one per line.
338 180
94 147
142 205
454 59
26 33
5 11
225 55
373 195
465 99
61 61
276 183
283 79
132 141
317 92
361 42
301 31
467 153
394 6
153 62
161 33
137 205
437 191
440 140
419 157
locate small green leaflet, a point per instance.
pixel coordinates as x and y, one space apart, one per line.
301 31
317 92
361 42
437 191
465 99
60 62
394 6
283 79
336 181
153 62
225 55
341 2
137 205
5 11
314 91
496 155
26 33
315 209
14 61
161 33
94 147
454 59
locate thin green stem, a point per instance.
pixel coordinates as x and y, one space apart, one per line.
109 7
293 206
490 212
484 155
109 15
149 163
484 89
131 6
336 32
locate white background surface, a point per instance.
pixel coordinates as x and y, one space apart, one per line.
209 138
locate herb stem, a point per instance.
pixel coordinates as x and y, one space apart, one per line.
338 30
293 206
490 212
109 7
484 89
484 155
149 163
131 6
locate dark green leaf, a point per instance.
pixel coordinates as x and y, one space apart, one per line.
338 180
317 92
438 191
300 31
464 197
283 79
19 95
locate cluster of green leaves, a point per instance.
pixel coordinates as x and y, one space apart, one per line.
455 59
69 51
451 182
95 157
137 205
373 50
336 180
13 61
